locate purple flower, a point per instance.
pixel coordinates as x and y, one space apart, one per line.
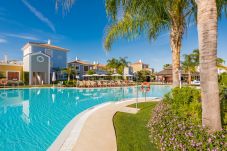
190 134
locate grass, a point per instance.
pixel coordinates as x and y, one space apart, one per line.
131 129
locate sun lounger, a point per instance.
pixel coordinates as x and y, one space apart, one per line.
99 84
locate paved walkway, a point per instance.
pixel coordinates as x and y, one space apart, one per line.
98 132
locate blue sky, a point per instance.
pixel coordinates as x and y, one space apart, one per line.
82 31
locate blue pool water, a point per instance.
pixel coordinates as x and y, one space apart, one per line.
31 119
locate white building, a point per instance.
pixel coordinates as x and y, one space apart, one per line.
39 59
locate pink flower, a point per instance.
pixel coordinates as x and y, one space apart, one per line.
209 140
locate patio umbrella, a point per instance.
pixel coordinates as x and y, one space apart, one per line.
103 75
95 75
116 75
87 75
128 75
53 78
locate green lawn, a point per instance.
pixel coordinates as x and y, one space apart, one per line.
131 129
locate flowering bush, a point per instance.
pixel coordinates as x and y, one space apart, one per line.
170 131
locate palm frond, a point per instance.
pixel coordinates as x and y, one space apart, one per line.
127 27
65 5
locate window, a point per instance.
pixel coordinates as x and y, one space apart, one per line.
40 58
13 76
86 68
77 67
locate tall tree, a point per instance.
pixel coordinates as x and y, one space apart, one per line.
69 71
112 64
195 56
220 62
150 17
117 64
207 33
189 66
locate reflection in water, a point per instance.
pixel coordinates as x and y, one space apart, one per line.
14 98
31 119
53 97
25 110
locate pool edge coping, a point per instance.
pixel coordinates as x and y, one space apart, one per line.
74 127
15 88
71 132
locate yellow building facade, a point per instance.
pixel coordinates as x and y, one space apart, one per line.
12 71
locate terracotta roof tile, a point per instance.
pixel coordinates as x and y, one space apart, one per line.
49 46
81 62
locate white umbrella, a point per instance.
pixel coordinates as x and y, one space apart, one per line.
95 75
103 75
87 75
116 75
53 77
128 75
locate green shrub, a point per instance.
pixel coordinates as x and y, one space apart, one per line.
14 83
2 75
185 102
90 72
143 74
223 98
70 83
170 131
223 79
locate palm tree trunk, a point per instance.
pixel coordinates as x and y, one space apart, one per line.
207 33
68 77
175 42
189 78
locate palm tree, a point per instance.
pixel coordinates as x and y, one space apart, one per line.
123 61
117 64
151 17
195 56
166 65
220 62
69 71
189 66
207 33
112 64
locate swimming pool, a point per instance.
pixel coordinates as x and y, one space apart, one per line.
31 119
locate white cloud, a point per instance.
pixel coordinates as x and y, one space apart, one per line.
39 15
3 40
22 36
